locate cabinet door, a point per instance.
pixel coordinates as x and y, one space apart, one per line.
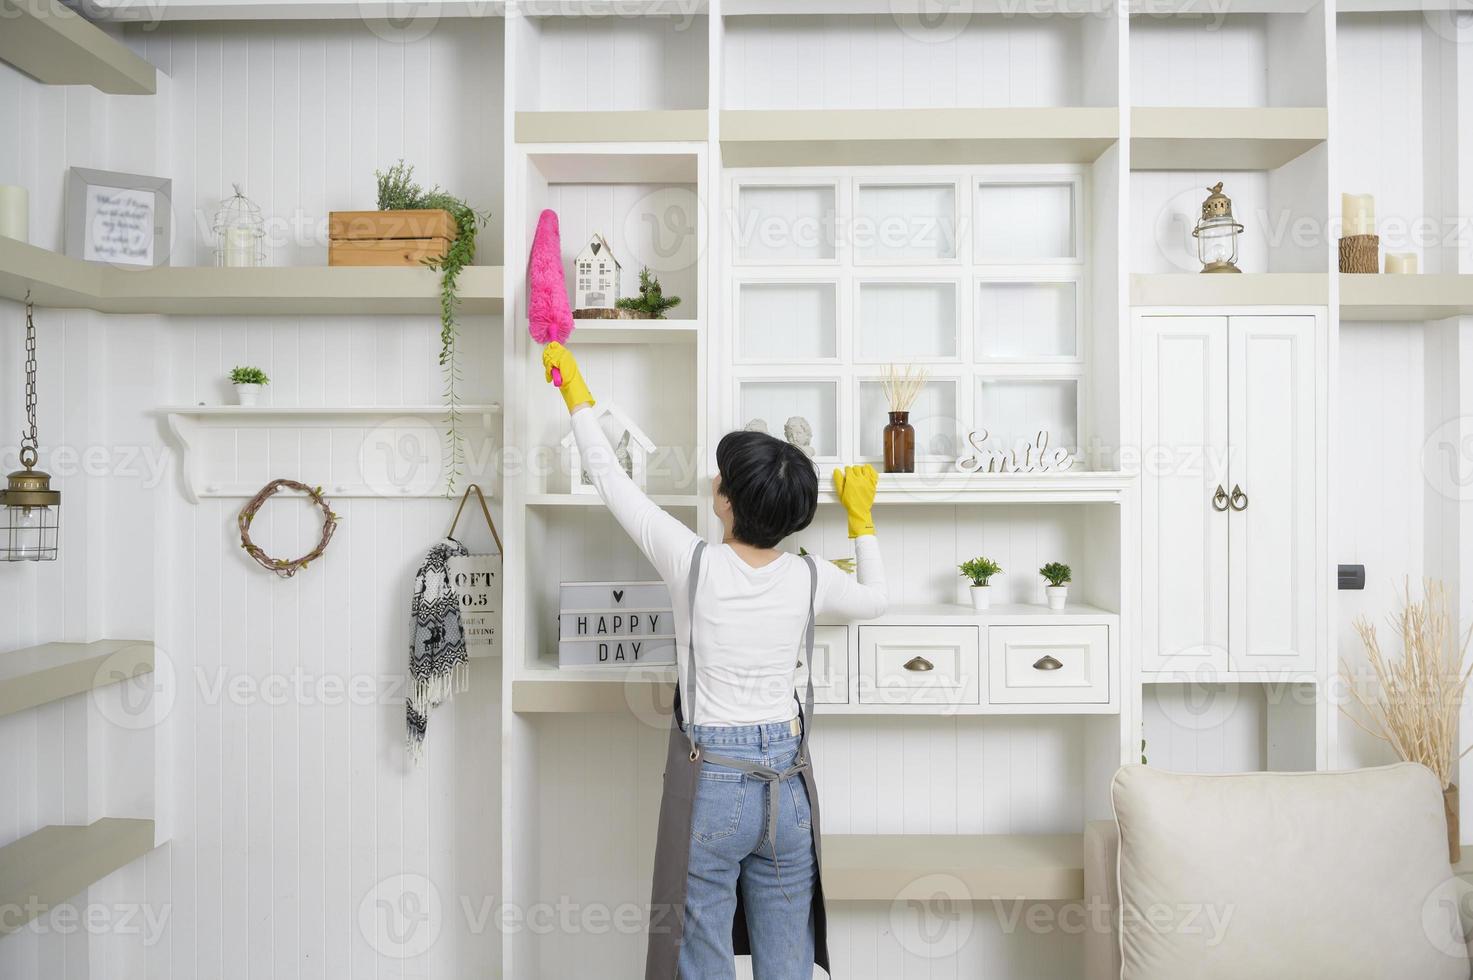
1184 541
1271 428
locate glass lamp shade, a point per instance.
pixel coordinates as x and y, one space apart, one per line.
1217 244
30 517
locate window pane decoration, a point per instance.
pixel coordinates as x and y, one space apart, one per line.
30 511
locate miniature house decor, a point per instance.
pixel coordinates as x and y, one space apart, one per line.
632 448
1217 233
597 280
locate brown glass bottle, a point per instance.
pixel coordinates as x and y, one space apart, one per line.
900 444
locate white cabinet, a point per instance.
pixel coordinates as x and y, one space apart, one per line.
918 665
830 666
1048 664
1230 459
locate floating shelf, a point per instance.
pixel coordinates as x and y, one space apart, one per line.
890 8
60 281
834 137
646 126
1245 289
54 44
39 675
1383 297
276 10
635 331
212 434
1197 138
1396 6
883 867
1070 486
45 869
594 500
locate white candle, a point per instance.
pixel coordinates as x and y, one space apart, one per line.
1401 263
1357 214
240 247
15 212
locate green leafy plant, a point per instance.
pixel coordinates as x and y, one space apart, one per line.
1056 572
979 570
397 191
248 376
651 298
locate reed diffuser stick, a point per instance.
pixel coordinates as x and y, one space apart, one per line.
902 386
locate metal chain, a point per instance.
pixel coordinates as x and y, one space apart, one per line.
28 441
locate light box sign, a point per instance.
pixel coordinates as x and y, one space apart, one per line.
615 624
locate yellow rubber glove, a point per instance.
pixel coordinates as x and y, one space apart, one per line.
574 391
856 486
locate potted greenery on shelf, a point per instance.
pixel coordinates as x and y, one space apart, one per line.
651 303
1057 574
397 191
248 382
980 571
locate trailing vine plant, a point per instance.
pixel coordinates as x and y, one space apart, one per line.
397 191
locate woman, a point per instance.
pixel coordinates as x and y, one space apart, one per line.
737 860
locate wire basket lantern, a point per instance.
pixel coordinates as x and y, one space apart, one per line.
240 232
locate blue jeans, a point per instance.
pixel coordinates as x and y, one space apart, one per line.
731 848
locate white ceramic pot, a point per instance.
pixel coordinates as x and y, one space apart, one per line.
1056 596
247 394
981 596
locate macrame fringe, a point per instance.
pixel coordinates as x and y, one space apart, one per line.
429 692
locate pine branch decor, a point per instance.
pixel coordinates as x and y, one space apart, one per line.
651 300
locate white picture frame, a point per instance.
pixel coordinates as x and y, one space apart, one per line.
118 219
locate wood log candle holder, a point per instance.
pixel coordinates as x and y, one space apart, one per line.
1360 253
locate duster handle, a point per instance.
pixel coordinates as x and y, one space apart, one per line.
557 378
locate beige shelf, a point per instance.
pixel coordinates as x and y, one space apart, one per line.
1244 289
42 674
1383 297
647 126
594 500
44 869
635 331
63 282
884 867
1070 486
810 137
55 45
1212 138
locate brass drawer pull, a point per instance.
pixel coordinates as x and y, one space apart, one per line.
919 664
1220 500
1239 500
1047 663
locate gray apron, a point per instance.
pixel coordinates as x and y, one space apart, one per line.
682 778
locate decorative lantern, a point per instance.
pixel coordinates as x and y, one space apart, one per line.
239 232
1217 233
30 511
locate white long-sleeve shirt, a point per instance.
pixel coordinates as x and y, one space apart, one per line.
749 621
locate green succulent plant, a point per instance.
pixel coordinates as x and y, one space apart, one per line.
979 570
248 376
1056 572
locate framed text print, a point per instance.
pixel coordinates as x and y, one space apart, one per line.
119 219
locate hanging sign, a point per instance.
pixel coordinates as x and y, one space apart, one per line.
1025 457
476 580
615 624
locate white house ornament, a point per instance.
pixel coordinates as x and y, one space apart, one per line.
1025 457
631 452
596 280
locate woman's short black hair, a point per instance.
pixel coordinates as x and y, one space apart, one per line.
772 486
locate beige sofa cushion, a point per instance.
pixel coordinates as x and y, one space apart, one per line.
1275 875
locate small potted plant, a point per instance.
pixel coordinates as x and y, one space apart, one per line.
1057 574
980 571
248 382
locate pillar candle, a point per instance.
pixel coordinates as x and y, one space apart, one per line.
240 247
15 212
1401 263
1357 214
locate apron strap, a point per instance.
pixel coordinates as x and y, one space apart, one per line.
690 660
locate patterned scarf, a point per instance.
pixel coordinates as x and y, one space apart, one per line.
438 662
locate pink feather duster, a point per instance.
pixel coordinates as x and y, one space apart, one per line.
548 316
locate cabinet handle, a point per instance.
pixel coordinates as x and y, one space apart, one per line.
1220 499
919 664
1047 663
1239 499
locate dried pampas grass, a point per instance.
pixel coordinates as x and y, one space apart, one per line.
902 386
1421 691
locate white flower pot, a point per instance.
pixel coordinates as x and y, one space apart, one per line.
1056 596
981 596
247 394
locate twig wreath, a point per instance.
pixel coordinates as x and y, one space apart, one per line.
281 566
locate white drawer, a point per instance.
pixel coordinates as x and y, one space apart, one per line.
1048 664
831 658
918 665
